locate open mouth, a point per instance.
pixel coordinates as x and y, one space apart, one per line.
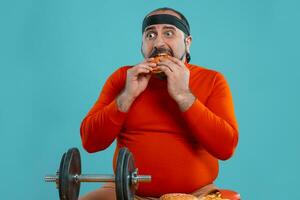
162 51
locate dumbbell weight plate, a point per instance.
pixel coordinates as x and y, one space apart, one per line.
120 174
61 165
68 187
128 169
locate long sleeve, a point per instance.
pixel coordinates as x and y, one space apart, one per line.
214 124
104 121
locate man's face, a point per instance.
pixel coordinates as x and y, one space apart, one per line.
165 38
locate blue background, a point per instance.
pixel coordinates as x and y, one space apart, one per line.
56 55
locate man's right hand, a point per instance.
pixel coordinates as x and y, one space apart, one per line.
136 82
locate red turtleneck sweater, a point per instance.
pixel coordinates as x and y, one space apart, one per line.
180 150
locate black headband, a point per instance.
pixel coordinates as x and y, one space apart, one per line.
166 19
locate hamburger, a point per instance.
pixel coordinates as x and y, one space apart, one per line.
157 58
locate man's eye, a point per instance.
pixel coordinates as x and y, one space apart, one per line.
150 35
169 33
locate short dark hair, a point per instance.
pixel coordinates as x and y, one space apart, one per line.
182 17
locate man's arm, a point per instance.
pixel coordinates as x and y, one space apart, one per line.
124 102
214 124
186 101
104 121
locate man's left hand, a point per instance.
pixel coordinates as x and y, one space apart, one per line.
178 76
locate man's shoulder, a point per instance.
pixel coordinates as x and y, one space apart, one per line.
119 74
200 73
200 70
121 70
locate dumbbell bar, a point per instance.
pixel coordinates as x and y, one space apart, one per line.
99 178
69 176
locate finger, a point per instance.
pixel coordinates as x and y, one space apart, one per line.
149 60
169 59
166 70
146 65
140 70
169 64
148 76
164 65
176 61
151 64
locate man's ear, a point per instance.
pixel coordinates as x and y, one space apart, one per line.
188 42
142 52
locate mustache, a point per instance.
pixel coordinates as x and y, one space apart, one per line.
156 51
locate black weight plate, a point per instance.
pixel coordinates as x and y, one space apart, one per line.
62 161
119 173
128 186
62 179
74 169
72 166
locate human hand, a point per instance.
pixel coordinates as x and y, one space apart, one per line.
177 76
137 78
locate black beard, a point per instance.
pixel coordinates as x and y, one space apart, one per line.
183 56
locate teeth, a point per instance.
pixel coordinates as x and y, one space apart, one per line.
162 54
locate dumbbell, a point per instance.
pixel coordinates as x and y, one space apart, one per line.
68 177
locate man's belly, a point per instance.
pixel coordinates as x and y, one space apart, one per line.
175 164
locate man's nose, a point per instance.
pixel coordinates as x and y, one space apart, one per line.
159 42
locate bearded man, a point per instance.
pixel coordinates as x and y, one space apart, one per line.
176 118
